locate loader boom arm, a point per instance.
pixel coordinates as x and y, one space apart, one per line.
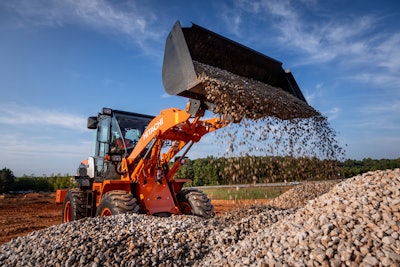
172 124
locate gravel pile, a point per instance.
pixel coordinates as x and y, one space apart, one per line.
356 223
299 196
134 240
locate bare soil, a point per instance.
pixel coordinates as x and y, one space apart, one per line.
22 214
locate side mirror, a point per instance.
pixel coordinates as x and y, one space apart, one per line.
92 123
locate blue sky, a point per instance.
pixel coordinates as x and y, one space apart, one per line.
62 61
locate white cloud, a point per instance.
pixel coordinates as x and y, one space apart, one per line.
349 37
326 41
385 80
338 32
374 124
313 95
232 18
128 19
282 9
125 19
388 53
165 95
41 141
22 145
11 113
26 154
389 107
333 113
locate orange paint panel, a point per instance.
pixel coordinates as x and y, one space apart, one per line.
60 195
157 198
177 184
109 185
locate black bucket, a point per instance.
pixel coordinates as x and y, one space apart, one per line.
185 45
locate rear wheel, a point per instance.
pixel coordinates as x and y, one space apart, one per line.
74 205
195 202
117 202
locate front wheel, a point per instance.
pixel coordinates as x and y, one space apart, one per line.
74 206
195 202
117 202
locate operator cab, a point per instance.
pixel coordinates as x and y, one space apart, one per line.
117 134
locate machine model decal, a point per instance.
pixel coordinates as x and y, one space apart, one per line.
153 128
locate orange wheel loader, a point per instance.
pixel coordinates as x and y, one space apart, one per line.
136 156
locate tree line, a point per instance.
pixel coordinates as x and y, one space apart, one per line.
224 171
251 169
10 183
353 167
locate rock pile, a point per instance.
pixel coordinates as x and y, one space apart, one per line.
299 196
133 240
356 223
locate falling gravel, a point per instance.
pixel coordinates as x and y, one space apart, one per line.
267 121
356 223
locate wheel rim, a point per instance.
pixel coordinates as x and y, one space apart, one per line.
67 212
105 212
186 208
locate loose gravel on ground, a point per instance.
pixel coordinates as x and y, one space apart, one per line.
355 223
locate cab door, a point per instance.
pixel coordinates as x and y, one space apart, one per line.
102 145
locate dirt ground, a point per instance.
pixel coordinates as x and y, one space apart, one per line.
22 214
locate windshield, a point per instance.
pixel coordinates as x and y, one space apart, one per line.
126 131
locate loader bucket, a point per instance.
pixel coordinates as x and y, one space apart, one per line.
186 45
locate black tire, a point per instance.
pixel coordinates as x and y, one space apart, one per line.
195 202
74 205
117 202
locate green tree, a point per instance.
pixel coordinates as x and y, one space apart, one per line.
204 172
42 184
7 180
25 184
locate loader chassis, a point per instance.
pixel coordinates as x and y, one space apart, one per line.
131 169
